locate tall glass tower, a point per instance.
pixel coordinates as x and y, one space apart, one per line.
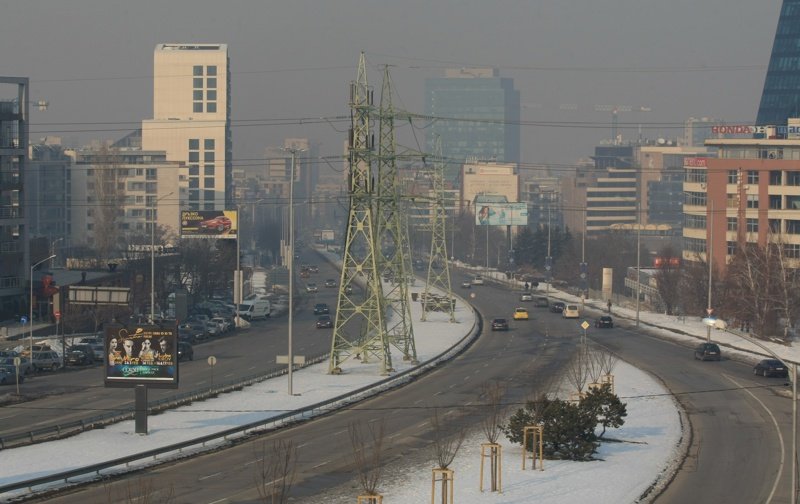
489 109
780 98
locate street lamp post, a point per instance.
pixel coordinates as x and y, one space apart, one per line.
153 259
30 320
638 262
291 264
710 258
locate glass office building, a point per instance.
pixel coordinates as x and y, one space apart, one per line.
780 98
490 108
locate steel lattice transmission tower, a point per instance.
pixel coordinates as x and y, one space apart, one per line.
360 326
438 279
392 242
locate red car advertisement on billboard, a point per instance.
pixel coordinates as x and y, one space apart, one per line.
141 355
209 224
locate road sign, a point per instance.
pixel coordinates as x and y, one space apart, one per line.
212 361
17 361
585 325
57 315
709 310
23 320
284 359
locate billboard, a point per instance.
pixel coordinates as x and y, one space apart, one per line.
501 214
141 355
209 224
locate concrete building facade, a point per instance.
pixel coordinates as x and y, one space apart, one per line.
191 121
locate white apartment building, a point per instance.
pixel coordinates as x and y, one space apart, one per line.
191 121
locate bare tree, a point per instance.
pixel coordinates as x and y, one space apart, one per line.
668 279
275 471
368 453
108 197
578 370
594 365
752 284
140 491
491 424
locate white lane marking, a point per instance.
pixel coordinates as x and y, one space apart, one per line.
320 465
201 478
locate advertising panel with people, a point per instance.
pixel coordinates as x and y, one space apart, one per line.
501 214
141 355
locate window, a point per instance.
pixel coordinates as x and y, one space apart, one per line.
793 202
208 182
793 178
774 226
752 225
197 94
211 107
694 221
194 144
197 107
731 248
792 227
733 176
694 245
208 144
194 183
211 70
194 196
208 170
208 156
775 177
732 201
733 223
208 196
774 201
211 83
211 95
194 170
194 157
752 177
197 70
752 201
197 83
792 250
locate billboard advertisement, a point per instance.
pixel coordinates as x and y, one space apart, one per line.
209 224
141 355
502 214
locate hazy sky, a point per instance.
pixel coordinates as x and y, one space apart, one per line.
291 59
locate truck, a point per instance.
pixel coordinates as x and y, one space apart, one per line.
254 309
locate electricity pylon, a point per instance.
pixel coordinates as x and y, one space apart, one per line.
360 326
438 257
392 241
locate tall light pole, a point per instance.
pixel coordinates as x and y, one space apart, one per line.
291 262
153 258
548 261
638 261
710 258
30 320
53 247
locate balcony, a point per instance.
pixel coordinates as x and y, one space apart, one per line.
10 181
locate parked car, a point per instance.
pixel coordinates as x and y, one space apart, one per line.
80 355
324 322
557 307
225 324
311 287
9 376
571 311
25 367
526 296
187 335
521 314
604 322
771 367
321 309
46 359
499 324
185 351
707 351
330 282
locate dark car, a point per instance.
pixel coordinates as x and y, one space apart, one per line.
604 322
218 224
542 302
185 351
324 322
80 356
557 307
771 367
321 309
330 282
9 376
707 351
499 324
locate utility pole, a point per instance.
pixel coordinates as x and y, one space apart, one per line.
638 261
548 261
710 258
360 327
439 279
391 241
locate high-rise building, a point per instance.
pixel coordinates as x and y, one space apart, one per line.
14 257
191 120
780 98
48 187
488 107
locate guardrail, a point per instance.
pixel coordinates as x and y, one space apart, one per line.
263 425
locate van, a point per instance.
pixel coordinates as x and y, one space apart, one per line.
254 309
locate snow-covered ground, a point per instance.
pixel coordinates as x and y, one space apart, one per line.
647 443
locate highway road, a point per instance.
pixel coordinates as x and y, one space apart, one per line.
738 453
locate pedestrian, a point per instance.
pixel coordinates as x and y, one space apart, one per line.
609 306
527 286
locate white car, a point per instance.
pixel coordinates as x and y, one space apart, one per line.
571 311
526 296
478 280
